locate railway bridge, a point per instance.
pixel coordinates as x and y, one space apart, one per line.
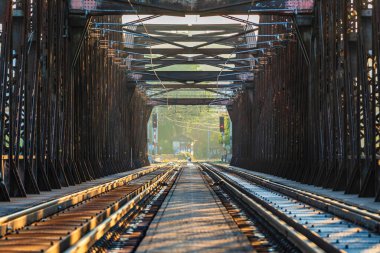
299 79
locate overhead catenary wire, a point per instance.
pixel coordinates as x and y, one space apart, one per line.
229 57
191 123
150 50
195 128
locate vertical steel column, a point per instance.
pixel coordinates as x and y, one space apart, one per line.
319 124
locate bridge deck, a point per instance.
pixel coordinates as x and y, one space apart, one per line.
192 219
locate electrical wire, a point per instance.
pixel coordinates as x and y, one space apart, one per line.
195 128
150 50
201 124
232 53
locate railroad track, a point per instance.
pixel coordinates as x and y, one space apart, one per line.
61 225
311 222
130 230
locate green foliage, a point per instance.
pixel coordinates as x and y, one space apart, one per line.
200 123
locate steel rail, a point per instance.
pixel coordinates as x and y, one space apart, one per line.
25 217
299 239
319 224
87 241
63 230
362 217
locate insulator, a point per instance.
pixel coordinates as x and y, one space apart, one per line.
110 52
263 60
270 53
95 33
103 44
117 60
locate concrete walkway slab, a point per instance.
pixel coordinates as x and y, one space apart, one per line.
192 219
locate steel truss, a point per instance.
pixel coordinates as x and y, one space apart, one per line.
65 116
318 123
310 113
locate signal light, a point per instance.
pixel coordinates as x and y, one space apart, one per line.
221 124
154 121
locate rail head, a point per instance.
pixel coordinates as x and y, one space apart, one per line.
306 241
343 210
25 217
85 242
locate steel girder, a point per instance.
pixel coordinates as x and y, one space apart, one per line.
318 123
180 8
63 121
189 101
67 115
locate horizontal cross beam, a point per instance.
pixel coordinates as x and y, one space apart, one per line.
175 51
191 86
184 76
201 7
189 101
